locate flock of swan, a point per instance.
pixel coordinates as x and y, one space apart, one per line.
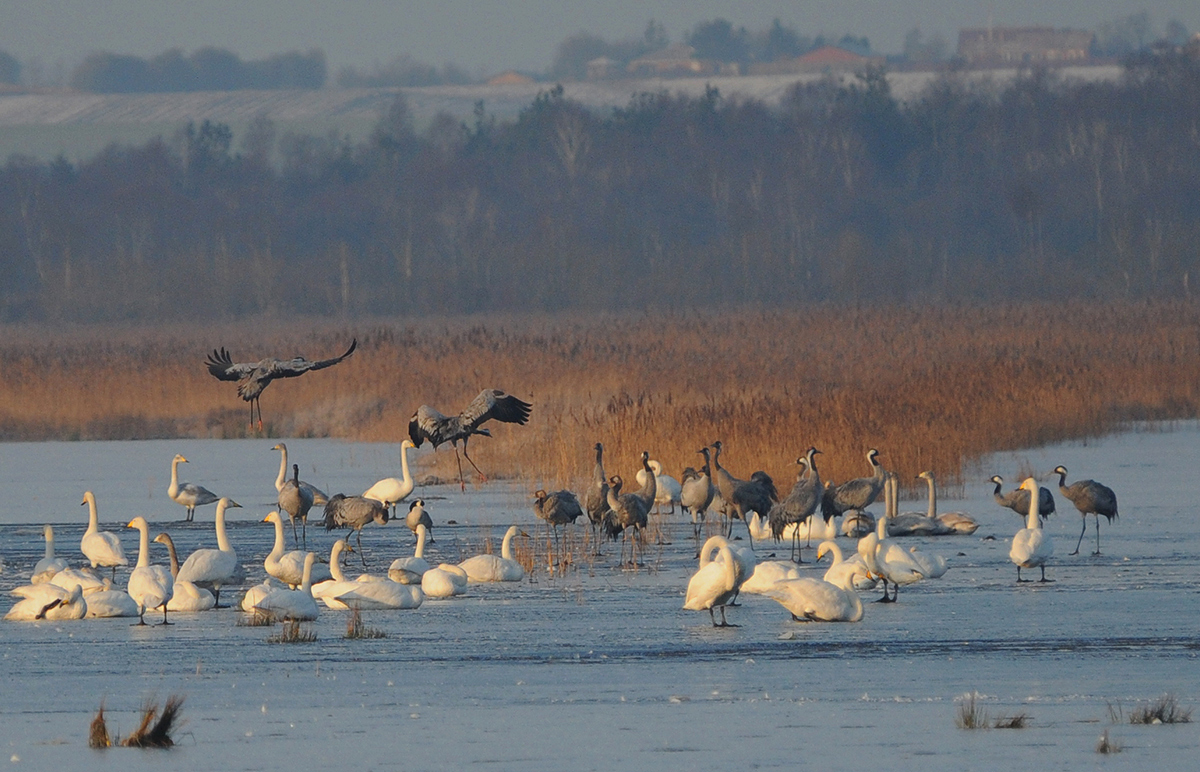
298 582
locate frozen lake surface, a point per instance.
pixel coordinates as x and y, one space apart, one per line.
600 668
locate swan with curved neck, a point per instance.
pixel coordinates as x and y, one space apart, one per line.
50 565
489 568
884 557
816 600
327 590
391 490
213 568
715 583
102 548
444 581
185 596
954 522
150 586
186 494
318 495
47 601
845 572
288 567
297 605
410 570
1031 547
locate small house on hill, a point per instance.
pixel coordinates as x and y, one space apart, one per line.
823 59
510 78
672 61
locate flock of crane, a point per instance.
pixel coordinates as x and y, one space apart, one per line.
297 579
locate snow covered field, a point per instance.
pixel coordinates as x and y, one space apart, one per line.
601 668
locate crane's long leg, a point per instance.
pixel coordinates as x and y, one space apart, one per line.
1097 552
304 532
481 474
260 428
361 556
1081 533
460 476
295 536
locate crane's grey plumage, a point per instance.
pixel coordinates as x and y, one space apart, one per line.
629 512
428 424
558 508
697 491
595 498
417 515
295 499
1090 498
799 505
253 377
1018 500
354 512
318 495
860 492
756 494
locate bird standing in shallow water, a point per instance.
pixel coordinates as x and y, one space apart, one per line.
253 377
428 424
1090 498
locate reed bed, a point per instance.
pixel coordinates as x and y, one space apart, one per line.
932 387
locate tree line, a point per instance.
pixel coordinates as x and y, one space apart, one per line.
840 194
205 69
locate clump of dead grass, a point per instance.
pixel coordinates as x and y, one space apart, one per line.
356 629
1107 744
971 715
293 632
1164 710
154 731
1015 721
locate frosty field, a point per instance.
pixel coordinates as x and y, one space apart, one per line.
600 668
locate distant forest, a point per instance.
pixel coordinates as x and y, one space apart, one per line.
1041 189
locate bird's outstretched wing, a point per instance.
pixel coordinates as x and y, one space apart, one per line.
493 403
299 366
425 425
220 364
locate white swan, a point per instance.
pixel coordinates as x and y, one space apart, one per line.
1031 547
933 565
886 559
110 604
288 567
47 601
768 573
318 495
258 592
48 566
86 578
444 581
954 522
760 529
817 600
185 596
489 568
296 605
327 590
913 523
391 490
410 570
214 568
101 548
150 586
186 494
382 595
716 582
845 572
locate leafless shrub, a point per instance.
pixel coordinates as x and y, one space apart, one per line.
1164 710
1107 744
1018 721
154 731
293 633
355 629
98 733
970 714
255 618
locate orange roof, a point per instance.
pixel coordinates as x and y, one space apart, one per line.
510 78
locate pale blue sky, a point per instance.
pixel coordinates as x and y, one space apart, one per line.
493 35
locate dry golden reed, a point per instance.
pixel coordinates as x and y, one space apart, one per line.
933 388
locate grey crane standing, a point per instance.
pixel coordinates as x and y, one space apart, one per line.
418 516
428 424
343 511
697 491
756 494
627 512
799 505
296 499
1018 500
595 498
1090 498
253 377
860 492
558 508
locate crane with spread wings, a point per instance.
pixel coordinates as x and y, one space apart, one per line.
428 424
253 377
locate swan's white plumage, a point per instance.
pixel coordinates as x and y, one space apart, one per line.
150 586
490 568
1031 546
107 604
288 567
410 570
47 601
716 582
391 490
846 572
444 581
86 578
213 567
933 565
768 573
327 590
50 565
816 600
101 548
297 605
382 595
